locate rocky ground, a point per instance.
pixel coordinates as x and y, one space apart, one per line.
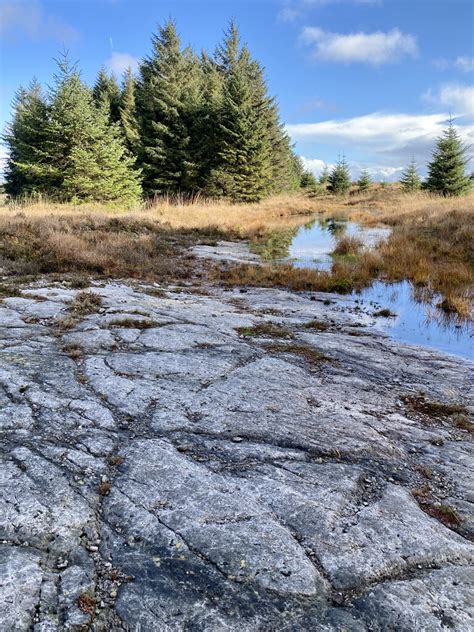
209 461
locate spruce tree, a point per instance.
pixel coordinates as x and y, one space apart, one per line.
128 113
106 92
245 162
446 171
25 138
339 178
83 156
365 181
308 181
162 98
410 179
324 177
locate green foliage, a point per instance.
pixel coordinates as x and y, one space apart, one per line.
82 156
192 124
324 177
128 113
165 91
446 171
410 179
339 178
25 139
365 181
106 92
308 181
244 171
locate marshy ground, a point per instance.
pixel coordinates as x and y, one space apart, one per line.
183 450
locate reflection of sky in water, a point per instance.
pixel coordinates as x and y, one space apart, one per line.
416 322
314 242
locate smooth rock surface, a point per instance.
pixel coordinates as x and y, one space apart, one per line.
184 476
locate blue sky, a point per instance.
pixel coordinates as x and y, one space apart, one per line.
375 79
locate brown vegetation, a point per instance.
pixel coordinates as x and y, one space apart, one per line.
431 244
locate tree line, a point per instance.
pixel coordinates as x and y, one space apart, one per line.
446 171
186 123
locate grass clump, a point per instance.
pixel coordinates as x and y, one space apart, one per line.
132 323
73 351
317 325
309 354
264 330
348 245
431 409
85 303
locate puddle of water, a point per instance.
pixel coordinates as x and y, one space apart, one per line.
312 245
416 322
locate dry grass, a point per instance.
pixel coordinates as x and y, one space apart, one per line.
264 330
348 245
432 240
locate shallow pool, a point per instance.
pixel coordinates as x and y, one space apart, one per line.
314 242
415 321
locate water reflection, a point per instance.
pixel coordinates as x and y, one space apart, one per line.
314 242
417 319
417 322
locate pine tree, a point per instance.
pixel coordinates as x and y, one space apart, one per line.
245 162
83 156
25 138
308 181
128 113
162 98
339 178
365 181
446 171
106 91
410 179
324 177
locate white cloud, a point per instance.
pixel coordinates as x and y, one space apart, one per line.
457 97
119 62
371 48
28 18
388 140
465 63
315 165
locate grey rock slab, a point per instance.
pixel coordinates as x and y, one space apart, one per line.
21 578
434 601
192 478
229 251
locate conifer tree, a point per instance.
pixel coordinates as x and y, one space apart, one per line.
83 156
106 91
308 181
245 167
206 130
410 179
446 171
324 177
162 98
339 178
128 113
365 181
25 138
